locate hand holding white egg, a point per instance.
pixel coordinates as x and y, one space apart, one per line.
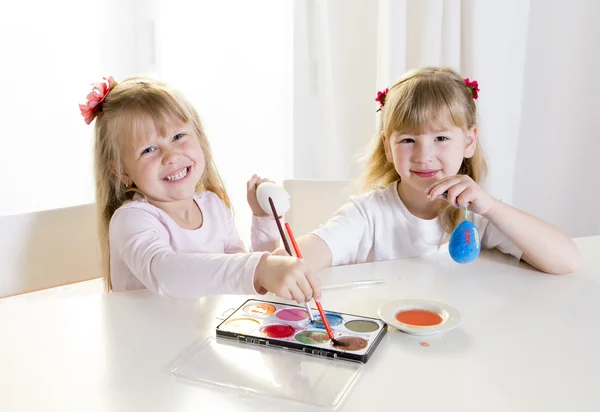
281 198
251 187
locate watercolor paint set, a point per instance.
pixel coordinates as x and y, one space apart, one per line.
288 326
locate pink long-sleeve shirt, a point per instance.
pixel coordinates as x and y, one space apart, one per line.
149 250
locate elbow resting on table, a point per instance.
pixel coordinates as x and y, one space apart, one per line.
561 265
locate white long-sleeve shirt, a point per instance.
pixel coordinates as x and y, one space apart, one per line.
377 226
148 249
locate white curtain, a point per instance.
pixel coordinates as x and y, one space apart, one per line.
346 50
557 175
472 38
335 53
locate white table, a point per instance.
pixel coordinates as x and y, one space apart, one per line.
527 342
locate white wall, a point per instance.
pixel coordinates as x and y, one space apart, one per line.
49 58
232 58
493 50
557 173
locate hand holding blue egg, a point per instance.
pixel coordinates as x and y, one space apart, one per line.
465 243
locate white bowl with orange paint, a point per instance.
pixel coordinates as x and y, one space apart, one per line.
419 317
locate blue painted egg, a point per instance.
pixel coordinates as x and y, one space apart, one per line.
465 244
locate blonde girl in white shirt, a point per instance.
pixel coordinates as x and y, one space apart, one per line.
426 166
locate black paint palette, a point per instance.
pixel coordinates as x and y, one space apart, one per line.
276 324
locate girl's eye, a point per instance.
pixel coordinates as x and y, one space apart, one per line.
178 136
441 138
148 150
407 140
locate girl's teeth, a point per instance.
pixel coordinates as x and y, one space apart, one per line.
178 176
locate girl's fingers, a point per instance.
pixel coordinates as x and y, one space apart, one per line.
284 293
315 284
296 293
442 186
251 184
465 198
455 191
434 186
306 288
280 252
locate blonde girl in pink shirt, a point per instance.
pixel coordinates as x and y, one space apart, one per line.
165 219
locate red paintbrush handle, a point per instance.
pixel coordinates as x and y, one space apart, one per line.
324 318
288 228
319 307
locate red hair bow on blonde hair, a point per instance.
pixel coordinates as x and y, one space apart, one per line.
89 110
474 86
471 84
381 98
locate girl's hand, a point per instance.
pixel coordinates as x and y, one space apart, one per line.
287 277
280 251
462 191
251 195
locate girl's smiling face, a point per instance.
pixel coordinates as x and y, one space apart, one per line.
165 168
422 159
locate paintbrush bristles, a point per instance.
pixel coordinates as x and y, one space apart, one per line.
340 342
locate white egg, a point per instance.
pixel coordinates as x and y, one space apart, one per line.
281 198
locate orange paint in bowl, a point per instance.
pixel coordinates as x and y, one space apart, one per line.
419 317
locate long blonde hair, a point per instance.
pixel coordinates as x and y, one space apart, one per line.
130 109
427 98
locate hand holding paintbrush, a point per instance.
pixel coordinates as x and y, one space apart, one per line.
287 248
275 200
321 312
265 194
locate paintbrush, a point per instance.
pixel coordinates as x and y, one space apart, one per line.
319 307
288 250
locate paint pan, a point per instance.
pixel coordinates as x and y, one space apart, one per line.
280 325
